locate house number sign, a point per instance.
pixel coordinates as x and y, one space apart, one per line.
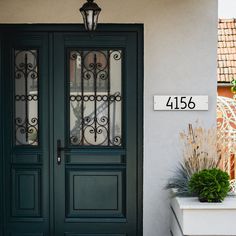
180 103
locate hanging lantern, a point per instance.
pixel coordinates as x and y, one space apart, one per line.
90 12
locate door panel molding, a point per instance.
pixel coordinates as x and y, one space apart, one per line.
107 234
105 200
26 184
27 234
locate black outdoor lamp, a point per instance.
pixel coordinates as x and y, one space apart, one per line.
90 12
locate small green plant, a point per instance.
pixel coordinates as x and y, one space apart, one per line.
233 88
210 185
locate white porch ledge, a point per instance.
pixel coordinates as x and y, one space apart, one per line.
190 217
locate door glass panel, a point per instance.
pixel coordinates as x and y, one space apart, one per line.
26 97
96 97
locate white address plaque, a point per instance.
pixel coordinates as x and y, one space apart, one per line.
180 103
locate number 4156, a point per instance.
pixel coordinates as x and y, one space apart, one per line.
176 103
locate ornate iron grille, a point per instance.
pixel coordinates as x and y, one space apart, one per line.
26 97
95 97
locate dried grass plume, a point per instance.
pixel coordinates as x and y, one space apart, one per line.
201 150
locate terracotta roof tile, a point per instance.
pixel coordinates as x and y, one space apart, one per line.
226 50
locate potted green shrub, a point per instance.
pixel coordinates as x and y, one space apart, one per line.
210 185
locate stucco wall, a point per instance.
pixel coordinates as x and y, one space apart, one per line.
180 58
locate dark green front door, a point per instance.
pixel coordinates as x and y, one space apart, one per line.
72 132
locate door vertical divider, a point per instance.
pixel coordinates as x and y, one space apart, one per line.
51 131
1 140
140 128
5 126
59 125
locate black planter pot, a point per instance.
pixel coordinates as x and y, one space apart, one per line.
205 200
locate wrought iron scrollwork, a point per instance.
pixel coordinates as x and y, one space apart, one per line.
26 97
28 128
96 127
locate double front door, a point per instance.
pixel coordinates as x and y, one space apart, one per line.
71 133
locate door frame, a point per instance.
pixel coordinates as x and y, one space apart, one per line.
102 28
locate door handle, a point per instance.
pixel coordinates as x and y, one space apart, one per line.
59 150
